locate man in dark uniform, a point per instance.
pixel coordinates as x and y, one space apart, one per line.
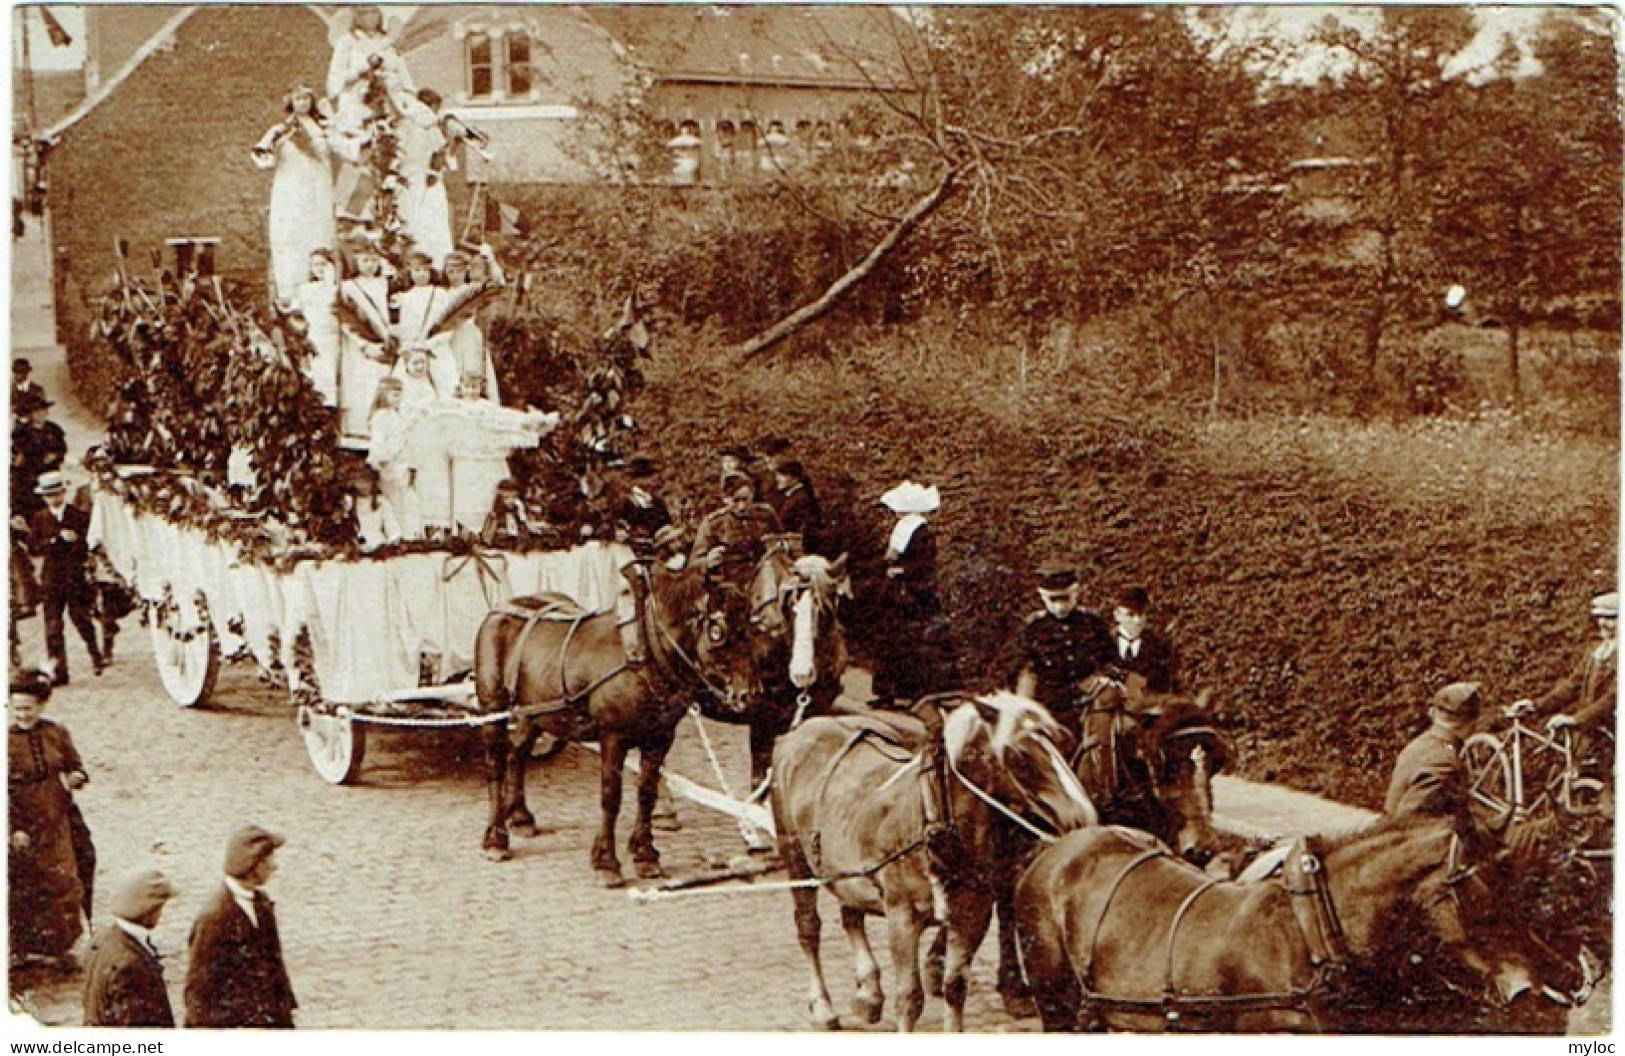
1429 777
23 385
1144 655
42 442
57 534
1060 645
641 513
236 977
728 542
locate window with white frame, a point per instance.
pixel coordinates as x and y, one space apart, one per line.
481 66
500 62
517 46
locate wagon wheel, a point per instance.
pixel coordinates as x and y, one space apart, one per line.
1489 775
188 667
336 744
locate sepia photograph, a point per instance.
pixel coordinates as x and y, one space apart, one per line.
781 518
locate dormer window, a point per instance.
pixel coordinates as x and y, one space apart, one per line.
500 62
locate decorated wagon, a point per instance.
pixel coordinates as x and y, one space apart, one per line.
359 642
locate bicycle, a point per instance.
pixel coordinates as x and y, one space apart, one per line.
1524 771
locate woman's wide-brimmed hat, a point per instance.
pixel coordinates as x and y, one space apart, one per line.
909 497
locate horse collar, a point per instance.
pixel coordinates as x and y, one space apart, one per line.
1305 881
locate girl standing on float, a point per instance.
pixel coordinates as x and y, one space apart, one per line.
422 305
364 335
464 275
390 429
316 304
301 216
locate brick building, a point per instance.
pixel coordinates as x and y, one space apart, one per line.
177 96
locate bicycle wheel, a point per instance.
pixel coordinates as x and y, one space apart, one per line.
1489 777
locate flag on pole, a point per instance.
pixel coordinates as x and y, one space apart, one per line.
501 217
53 29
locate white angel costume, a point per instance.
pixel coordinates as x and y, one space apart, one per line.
387 453
301 215
315 301
422 310
459 449
354 52
365 299
425 212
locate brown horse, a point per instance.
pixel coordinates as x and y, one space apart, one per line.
911 836
565 672
1148 770
1116 931
798 642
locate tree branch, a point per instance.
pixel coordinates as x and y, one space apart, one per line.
798 319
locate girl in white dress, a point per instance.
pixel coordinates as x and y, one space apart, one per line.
301 215
390 427
479 375
376 522
421 306
364 337
316 305
425 212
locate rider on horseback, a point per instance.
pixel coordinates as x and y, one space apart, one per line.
1060 646
729 541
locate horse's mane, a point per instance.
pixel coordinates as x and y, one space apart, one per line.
1386 825
1011 709
679 592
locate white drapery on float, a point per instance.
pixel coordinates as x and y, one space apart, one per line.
369 620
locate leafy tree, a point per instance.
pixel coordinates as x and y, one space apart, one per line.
1524 176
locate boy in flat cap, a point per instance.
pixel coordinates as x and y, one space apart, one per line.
124 976
1429 777
1060 645
236 977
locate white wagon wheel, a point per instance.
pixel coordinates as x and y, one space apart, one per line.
336 743
187 666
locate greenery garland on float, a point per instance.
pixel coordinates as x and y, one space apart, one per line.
214 427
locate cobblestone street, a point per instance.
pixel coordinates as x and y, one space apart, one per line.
391 918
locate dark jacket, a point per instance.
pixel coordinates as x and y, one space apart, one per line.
236 977
915 653
1588 692
800 514
1061 653
64 563
124 983
642 522
1155 661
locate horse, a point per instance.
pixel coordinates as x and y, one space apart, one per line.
798 642
1116 931
913 836
572 674
1152 772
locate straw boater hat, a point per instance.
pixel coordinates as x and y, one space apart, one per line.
52 483
909 497
1606 605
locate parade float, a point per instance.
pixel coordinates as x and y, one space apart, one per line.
323 481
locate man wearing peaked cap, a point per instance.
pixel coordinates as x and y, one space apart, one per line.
1429 776
236 977
124 975
1059 645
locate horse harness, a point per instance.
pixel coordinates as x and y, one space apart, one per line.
558 608
1305 883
